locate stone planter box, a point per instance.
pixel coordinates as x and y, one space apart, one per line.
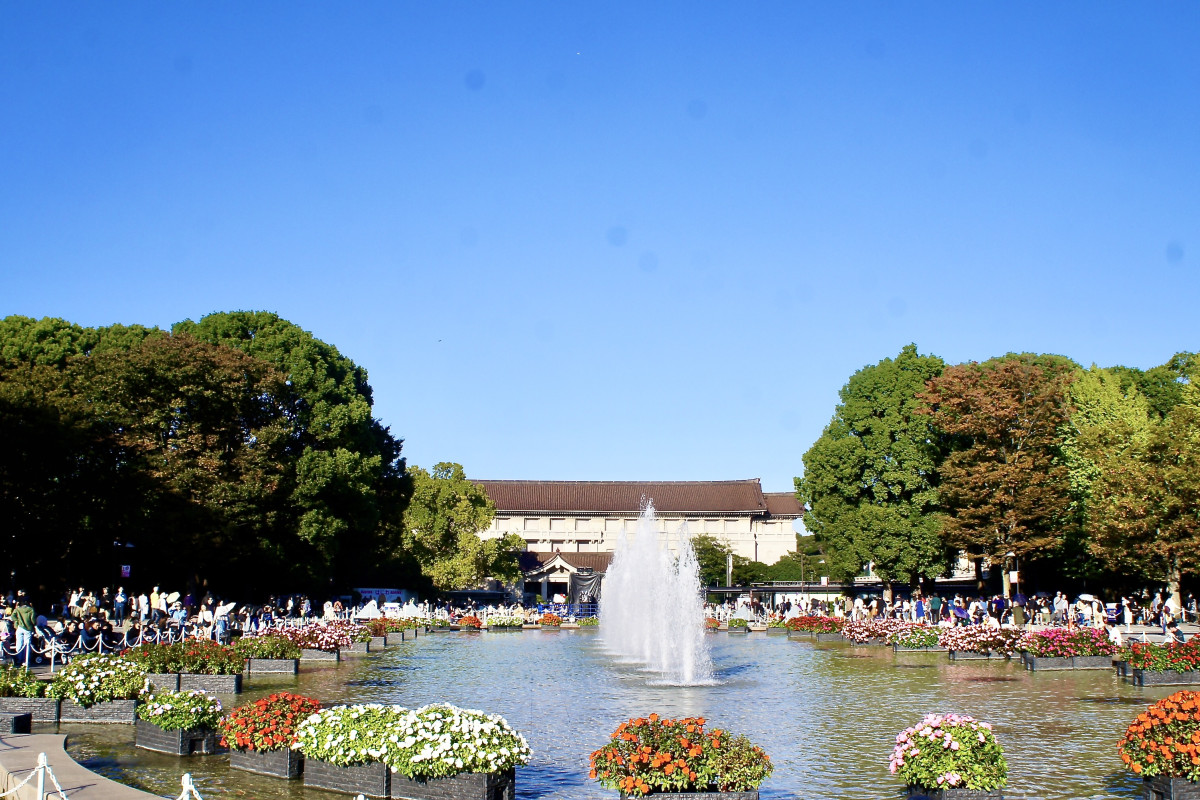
197 741
1033 663
373 780
40 709
216 684
533 627
285 763
466 786
12 722
702 795
776 630
800 634
1160 788
953 793
935 649
960 655
167 681
114 711
1142 677
570 625
393 638
274 666
831 637
1092 662
357 649
378 642
436 629
502 629
737 630
1122 668
320 655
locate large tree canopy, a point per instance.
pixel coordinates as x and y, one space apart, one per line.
238 451
1004 484
870 481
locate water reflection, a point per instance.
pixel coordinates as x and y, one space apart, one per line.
827 714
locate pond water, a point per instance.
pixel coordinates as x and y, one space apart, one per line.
826 713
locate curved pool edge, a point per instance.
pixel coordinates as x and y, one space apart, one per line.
19 757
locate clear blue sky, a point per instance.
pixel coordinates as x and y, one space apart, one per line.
612 240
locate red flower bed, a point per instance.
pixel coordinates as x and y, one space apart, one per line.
471 621
816 624
266 724
1165 739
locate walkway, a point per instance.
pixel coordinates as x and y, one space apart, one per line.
18 757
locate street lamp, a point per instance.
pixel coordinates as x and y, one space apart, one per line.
1016 569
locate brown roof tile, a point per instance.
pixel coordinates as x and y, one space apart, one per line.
532 560
783 504
729 497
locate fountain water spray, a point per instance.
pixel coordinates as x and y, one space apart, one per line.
651 607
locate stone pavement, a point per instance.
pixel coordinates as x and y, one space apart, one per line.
19 755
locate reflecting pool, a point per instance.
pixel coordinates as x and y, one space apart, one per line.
827 714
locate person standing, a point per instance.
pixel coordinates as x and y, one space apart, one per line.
24 620
154 612
119 600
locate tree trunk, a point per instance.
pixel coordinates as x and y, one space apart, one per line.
1005 580
979 576
1173 576
888 592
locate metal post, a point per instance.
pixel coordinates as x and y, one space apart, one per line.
41 779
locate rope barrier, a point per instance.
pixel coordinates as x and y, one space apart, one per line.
41 771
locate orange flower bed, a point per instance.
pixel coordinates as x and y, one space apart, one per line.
470 621
651 754
1165 739
551 619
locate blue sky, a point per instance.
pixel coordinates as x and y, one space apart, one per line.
618 240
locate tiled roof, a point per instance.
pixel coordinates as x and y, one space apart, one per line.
783 504
532 560
730 497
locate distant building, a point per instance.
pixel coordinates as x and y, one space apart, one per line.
589 516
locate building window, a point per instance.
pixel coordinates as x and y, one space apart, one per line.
558 524
583 524
531 523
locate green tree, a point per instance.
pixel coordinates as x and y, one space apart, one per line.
1145 499
1004 485
350 487
442 525
870 480
712 556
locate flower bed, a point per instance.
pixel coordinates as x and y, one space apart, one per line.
196 656
980 639
651 755
270 647
327 636
91 679
434 741
553 620
914 637
867 630
737 623
1164 740
505 623
951 751
173 711
589 622
712 623
1165 658
268 723
1066 643
470 621
19 682
816 624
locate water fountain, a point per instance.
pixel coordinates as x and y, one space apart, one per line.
651 608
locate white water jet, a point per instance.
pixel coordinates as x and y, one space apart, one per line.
651 607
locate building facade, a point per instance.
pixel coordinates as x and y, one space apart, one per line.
590 516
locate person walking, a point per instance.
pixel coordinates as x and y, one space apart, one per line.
24 620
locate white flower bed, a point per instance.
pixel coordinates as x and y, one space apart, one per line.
92 679
434 741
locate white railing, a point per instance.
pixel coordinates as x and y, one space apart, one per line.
41 772
189 789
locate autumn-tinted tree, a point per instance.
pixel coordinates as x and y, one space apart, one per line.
1145 507
870 481
442 524
1004 485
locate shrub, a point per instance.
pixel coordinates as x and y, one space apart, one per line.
269 723
180 711
94 678
266 647
19 682
949 751
737 622
1165 739
505 622
154 658
589 622
650 754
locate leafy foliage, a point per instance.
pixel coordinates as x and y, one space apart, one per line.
268 723
949 751
1165 739
870 479
91 679
266 647
20 682
180 711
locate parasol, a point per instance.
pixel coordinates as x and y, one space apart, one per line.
172 597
